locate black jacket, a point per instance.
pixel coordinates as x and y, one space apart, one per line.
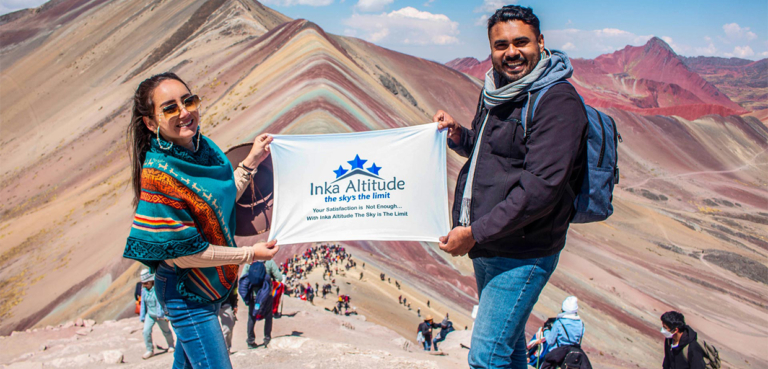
521 207
674 358
426 329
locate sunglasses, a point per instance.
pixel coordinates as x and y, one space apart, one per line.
191 103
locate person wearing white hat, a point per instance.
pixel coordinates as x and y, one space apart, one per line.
567 329
152 313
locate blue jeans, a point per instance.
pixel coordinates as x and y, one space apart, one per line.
508 290
149 322
427 343
200 343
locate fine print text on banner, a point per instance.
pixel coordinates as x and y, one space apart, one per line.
387 185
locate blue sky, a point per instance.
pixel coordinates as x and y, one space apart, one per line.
441 30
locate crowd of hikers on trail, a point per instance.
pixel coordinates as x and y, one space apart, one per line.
261 286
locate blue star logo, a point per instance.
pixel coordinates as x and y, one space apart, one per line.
357 163
340 172
374 169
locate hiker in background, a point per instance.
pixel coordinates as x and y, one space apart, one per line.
562 342
152 313
425 328
259 276
418 312
538 346
446 326
183 179
567 329
228 317
681 348
310 294
513 206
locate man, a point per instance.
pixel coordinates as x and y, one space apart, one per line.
150 313
513 202
274 272
446 326
678 335
425 328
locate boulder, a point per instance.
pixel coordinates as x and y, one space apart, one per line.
112 357
84 331
79 322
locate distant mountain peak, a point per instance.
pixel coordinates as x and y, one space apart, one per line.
656 43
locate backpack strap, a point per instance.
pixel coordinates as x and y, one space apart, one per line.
528 111
564 330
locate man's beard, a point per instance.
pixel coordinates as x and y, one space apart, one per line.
527 69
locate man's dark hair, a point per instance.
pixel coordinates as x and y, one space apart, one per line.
515 12
673 320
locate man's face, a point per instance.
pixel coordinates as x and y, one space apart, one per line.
515 49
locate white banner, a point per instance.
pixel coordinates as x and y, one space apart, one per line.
387 185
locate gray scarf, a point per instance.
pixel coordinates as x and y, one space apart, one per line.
553 66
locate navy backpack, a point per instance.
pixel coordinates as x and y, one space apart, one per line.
593 200
256 290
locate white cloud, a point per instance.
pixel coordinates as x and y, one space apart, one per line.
372 5
735 32
764 53
482 21
297 2
429 3
8 6
710 50
490 6
741 52
407 26
590 43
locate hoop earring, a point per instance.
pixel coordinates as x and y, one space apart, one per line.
159 143
199 133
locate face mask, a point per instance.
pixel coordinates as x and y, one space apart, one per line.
666 333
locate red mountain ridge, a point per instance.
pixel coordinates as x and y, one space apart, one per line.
650 80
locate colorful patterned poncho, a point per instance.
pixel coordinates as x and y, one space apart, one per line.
187 202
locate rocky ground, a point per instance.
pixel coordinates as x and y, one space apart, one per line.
312 338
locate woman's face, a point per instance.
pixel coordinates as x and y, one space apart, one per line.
180 128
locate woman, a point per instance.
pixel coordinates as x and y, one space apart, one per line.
185 193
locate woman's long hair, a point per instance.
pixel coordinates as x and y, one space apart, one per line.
139 136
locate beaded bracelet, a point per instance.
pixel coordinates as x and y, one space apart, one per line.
250 171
